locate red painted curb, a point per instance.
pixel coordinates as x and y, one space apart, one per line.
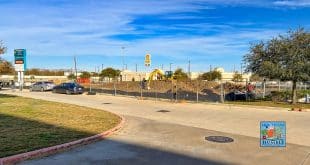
54 149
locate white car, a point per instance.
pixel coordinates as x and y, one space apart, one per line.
42 86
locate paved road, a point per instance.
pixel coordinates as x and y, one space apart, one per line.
177 136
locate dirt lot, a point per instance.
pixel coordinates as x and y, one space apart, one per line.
185 90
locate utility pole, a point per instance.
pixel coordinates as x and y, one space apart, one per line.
189 66
170 66
123 58
210 68
136 68
162 66
75 68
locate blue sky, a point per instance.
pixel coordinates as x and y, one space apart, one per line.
207 32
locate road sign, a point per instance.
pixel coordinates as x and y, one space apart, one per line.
147 60
20 59
19 67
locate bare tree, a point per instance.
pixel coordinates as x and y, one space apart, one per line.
3 48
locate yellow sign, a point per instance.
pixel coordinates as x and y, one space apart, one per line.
147 60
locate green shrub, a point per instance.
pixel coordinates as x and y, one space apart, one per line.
280 96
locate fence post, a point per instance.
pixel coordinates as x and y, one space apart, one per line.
102 84
114 87
126 88
90 84
176 91
155 89
140 87
264 88
197 95
171 90
222 92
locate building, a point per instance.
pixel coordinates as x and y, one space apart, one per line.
228 76
128 75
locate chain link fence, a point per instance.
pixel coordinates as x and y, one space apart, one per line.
197 90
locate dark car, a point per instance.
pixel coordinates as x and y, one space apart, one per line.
68 88
235 95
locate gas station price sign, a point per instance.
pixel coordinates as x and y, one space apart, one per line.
20 59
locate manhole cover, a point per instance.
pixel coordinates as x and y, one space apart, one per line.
163 111
219 139
107 103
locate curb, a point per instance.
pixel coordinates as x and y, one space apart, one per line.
61 147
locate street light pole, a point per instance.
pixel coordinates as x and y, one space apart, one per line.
123 60
75 68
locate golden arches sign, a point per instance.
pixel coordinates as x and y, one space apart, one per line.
147 60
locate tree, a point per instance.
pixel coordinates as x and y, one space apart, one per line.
211 76
33 71
286 57
95 74
256 77
71 76
180 75
2 47
237 77
44 72
85 75
6 67
32 77
110 73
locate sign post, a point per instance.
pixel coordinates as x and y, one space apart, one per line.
20 65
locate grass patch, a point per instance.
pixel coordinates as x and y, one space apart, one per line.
269 104
29 124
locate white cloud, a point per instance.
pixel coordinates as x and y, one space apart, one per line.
296 3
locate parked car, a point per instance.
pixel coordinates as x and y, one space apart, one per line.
235 95
68 88
42 86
